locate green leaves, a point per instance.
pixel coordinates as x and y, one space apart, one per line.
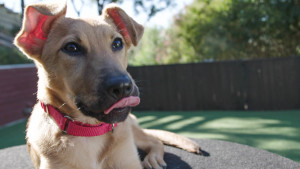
239 29
12 56
213 30
149 48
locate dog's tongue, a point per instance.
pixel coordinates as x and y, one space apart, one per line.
131 101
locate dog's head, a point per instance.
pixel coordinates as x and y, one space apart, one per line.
81 62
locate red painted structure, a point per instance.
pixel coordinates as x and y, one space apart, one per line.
18 86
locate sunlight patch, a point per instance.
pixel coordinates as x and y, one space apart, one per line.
204 135
146 118
235 123
278 144
184 123
162 121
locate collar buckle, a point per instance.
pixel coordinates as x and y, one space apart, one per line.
67 123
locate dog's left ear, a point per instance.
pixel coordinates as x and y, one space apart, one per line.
129 28
37 22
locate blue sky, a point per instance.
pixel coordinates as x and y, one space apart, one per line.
162 19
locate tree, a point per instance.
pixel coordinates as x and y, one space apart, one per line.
12 56
150 7
22 8
102 3
77 10
148 50
237 29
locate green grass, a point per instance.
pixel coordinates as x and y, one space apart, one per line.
275 131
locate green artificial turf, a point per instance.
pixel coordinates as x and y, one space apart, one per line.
13 134
275 131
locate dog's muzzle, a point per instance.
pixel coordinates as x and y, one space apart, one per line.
117 94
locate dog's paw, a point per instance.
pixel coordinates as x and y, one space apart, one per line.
154 161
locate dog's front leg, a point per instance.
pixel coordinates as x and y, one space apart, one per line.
153 147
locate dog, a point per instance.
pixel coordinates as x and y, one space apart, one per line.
82 117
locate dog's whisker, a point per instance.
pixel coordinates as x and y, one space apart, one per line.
119 24
61 105
121 30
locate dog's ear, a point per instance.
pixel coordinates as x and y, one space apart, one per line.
130 29
37 22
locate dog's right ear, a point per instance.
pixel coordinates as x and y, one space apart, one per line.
37 22
129 28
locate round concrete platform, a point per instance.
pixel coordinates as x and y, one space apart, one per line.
218 155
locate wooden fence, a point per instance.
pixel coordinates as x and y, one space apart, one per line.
270 84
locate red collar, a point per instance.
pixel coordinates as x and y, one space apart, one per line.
76 128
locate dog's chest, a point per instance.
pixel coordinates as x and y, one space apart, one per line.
85 152
96 152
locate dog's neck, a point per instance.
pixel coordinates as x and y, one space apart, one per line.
60 101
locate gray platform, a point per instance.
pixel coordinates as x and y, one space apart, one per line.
219 155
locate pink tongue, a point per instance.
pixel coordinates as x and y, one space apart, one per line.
130 101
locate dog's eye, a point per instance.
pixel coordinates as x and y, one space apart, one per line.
117 44
73 48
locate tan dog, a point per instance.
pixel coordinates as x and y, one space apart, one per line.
85 93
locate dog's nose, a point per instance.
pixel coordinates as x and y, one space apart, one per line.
119 86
